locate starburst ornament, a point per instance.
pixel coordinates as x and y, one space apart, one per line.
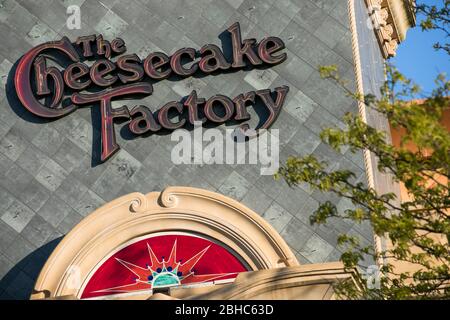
164 273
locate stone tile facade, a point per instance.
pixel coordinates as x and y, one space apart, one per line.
49 179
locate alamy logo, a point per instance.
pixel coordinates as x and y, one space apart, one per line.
373 21
74 17
372 275
214 146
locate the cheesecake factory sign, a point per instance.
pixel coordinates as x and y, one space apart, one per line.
41 88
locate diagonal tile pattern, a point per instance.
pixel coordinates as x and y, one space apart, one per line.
48 179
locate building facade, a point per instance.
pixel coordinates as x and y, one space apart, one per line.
112 185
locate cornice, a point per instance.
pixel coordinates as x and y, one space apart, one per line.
391 20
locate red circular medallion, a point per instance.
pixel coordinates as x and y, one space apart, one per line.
163 261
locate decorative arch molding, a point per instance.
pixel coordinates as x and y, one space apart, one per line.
175 209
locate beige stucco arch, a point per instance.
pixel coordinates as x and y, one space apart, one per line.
135 215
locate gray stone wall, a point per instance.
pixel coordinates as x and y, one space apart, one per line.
374 75
49 179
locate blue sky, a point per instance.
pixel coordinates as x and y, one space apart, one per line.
418 60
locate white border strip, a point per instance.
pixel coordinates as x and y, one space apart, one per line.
362 112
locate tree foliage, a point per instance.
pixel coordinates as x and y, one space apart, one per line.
418 228
436 17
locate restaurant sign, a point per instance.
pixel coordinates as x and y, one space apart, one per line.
42 88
